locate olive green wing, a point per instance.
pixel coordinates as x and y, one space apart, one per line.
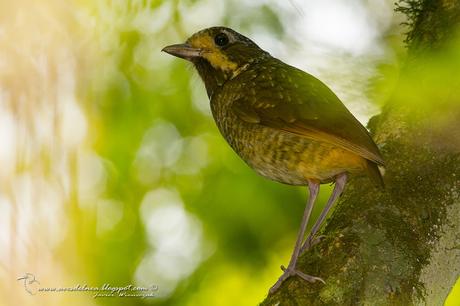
296 102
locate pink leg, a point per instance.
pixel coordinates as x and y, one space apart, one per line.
338 189
290 270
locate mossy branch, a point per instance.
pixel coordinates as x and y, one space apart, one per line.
401 245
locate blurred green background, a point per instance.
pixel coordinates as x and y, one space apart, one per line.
112 170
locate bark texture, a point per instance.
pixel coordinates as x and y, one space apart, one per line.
401 245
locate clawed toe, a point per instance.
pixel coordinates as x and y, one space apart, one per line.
309 278
288 272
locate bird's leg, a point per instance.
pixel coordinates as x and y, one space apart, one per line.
313 186
338 188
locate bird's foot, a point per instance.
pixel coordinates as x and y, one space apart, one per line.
310 242
291 271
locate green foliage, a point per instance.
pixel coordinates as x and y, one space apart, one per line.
413 10
431 23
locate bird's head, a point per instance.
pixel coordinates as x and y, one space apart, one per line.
218 53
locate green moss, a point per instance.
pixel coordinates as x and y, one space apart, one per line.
430 22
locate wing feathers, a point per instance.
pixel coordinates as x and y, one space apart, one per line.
307 108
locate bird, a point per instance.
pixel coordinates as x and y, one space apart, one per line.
283 122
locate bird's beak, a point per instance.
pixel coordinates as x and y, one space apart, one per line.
184 51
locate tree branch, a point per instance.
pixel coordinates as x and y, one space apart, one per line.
401 245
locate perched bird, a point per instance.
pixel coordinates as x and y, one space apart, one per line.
283 122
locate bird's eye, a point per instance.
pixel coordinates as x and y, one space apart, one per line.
221 39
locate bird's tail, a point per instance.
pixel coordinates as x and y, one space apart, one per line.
374 173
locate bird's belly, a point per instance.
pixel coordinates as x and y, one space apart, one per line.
289 158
